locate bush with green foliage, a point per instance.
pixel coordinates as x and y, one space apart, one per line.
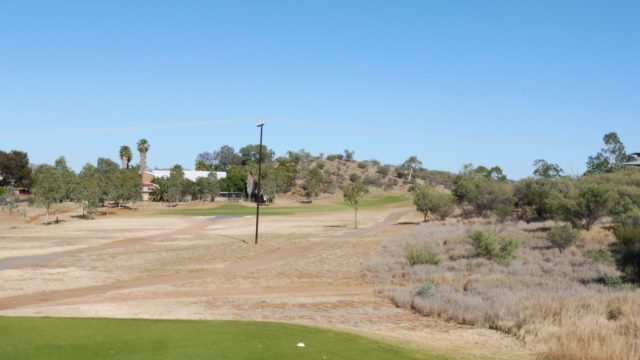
534 197
373 180
362 165
427 290
390 184
424 254
499 249
428 201
562 236
355 178
600 255
383 170
628 219
586 207
628 253
483 195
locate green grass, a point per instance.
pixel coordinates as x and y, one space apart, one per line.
79 338
241 210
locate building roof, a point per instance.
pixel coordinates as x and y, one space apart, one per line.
632 163
188 174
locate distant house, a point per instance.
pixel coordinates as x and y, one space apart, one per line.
148 176
635 163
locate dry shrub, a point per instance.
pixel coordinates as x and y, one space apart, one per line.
558 301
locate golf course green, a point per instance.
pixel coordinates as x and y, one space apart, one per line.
242 210
89 338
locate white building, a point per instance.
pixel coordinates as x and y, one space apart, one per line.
148 186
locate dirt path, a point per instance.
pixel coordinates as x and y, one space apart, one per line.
36 260
247 265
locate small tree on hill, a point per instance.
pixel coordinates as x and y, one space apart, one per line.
352 195
546 169
313 183
411 163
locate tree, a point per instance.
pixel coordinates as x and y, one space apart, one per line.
484 190
125 156
87 191
68 177
207 187
546 169
205 161
175 184
129 184
11 197
610 158
411 163
235 181
159 192
226 157
348 154
48 188
582 210
250 154
353 194
562 236
628 253
143 148
108 176
14 169
68 182
313 183
428 201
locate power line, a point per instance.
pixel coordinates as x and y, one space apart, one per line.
446 136
317 125
120 129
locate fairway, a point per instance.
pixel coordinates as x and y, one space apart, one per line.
242 210
79 338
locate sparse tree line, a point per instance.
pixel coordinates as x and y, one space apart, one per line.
103 184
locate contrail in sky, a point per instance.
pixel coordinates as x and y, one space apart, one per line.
317 125
121 129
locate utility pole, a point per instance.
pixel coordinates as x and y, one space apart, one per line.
258 197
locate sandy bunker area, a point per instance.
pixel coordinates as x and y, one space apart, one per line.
306 269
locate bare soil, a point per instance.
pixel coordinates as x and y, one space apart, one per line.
305 269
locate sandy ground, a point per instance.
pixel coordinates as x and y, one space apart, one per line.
306 269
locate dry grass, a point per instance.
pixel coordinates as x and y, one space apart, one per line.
556 302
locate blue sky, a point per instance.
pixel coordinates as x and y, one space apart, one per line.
491 82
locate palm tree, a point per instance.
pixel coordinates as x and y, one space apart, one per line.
143 147
125 156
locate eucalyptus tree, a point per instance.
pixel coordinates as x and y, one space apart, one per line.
108 176
175 184
412 163
125 156
545 169
11 198
14 169
353 194
87 192
128 189
313 183
48 188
